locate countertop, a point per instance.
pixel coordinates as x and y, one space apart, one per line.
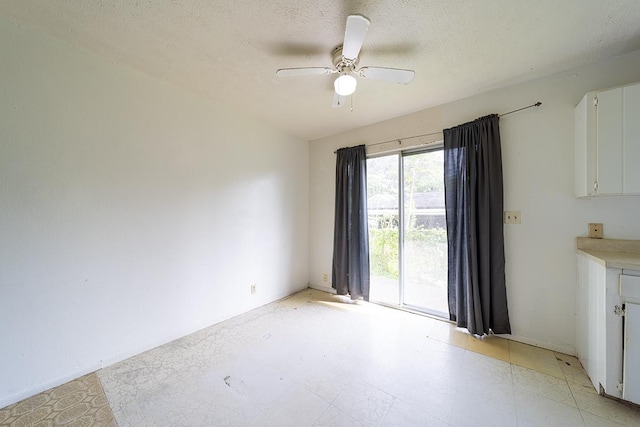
611 253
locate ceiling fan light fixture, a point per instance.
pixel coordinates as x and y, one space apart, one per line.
345 61
345 85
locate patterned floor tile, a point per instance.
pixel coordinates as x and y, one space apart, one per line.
80 402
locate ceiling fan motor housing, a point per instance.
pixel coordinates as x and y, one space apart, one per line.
343 64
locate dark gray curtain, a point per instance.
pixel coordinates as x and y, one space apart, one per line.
350 273
474 206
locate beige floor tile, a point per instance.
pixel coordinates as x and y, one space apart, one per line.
307 296
448 333
296 407
572 369
364 402
402 414
548 386
535 358
591 420
477 405
535 410
334 417
495 347
609 409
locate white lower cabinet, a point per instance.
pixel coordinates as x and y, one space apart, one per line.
599 337
630 294
631 376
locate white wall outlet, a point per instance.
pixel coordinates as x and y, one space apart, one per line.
512 217
325 277
253 288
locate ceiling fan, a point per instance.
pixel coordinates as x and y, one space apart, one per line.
345 59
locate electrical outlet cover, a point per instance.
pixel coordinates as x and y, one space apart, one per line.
512 217
596 230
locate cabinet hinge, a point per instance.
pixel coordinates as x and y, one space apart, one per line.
595 101
619 311
620 387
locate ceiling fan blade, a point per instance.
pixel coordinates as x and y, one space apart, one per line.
338 100
357 26
389 74
293 72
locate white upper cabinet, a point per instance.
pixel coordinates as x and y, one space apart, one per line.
609 125
607 142
585 146
631 138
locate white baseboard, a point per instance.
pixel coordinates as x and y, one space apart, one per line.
565 349
322 288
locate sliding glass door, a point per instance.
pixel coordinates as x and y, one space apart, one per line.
383 189
424 245
407 231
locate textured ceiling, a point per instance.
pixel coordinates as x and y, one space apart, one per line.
229 50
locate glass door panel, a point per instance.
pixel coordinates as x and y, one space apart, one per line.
425 238
383 183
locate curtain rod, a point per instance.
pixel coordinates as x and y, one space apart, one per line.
537 104
399 140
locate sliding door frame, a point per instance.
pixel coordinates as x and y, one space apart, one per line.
401 154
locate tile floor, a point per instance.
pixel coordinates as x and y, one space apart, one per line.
316 359
80 402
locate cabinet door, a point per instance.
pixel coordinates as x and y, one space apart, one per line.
582 310
591 282
631 135
631 376
585 146
609 137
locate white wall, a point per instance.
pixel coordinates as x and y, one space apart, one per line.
538 177
131 213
